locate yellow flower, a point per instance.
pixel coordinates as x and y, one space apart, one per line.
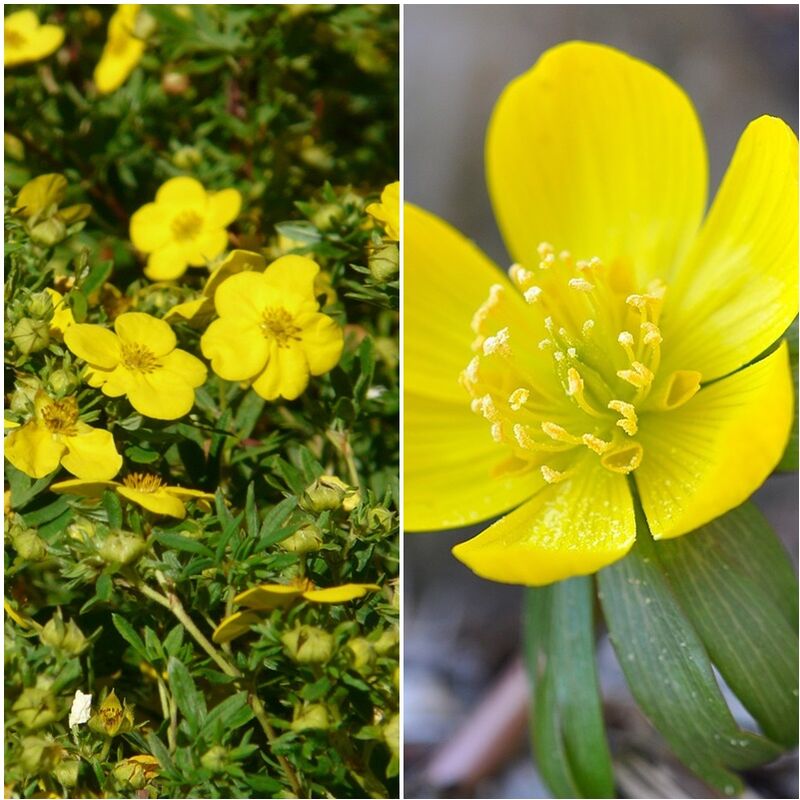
624 358
269 596
185 226
146 490
62 316
112 717
26 40
123 50
201 310
56 436
270 330
387 211
140 361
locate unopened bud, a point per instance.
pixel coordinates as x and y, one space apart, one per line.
40 305
39 754
215 759
327 216
36 707
387 642
48 231
31 335
136 771
384 262
308 645
122 547
29 545
67 638
325 494
187 157
363 654
62 382
381 519
306 540
112 717
312 716
175 83
66 772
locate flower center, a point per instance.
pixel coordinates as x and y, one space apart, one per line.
186 225
143 482
278 324
61 416
139 358
602 342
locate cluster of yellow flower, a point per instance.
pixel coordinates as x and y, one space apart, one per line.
27 40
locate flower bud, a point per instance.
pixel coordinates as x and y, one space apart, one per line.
136 771
381 519
312 716
328 493
66 772
308 645
67 638
384 262
29 545
112 718
36 707
31 335
215 759
40 305
49 231
62 382
327 216
175 83
363 654
14 148
387 642
187 157
39 754
306 540
122 547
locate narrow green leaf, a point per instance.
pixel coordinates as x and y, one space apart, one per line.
568 719
190 702
127 632
250 511
113 509
175 541
47 513
669 672
273 520
748 638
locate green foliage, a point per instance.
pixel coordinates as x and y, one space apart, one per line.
296 107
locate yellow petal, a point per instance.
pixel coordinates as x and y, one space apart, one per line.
150 229
92 455
268 596
160 394
388 210
206 247
83 488
322 341
600 154
181 193
234 626
453 472
223 208
737 291
285 375
34 450
190 310
293 274
167 263
340 594
236 348
94 344
62 316
159 502
574 527
41 193
235 261
447 278
137 328
186 367
712 453
203 499
245 296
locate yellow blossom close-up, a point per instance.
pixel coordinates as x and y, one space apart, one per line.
140 360
387 212
26 39
270 331
54 436
149 491
631 355
269 596
123 49
183 227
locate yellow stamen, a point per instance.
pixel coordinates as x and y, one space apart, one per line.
595 443
139 358
629 421
518 398
186 225
278 324
61 416
552 475
143 482
639 375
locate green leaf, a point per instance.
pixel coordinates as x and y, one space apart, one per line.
23 488
668 671
568 729
300 231
731 603
789 461
127 632
175 541
141 455
190 702
113 509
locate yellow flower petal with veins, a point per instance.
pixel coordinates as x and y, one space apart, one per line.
184 226
26 40
606 353
140 361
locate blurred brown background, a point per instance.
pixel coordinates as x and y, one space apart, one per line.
461 633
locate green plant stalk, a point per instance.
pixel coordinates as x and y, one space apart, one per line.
172 602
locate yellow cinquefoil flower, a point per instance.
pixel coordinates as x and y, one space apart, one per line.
26 40
140 361
269 596
185 226
201 310
123 50
622 352
387 212
56 436
270 330
145 489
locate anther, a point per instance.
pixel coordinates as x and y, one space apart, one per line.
497 344
595 443
581 285
639 375
518 398
486 308
652 335
497 431
545 249
629 421
552 475
532 294
520 276
560 434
